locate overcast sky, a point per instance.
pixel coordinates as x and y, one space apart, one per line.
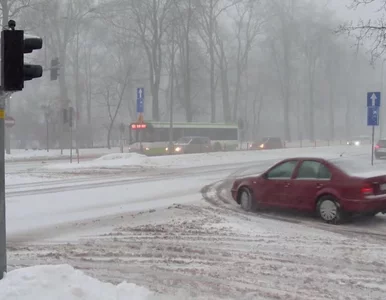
364 12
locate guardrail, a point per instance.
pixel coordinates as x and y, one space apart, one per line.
305 144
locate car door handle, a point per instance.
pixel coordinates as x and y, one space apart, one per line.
319 185
287 185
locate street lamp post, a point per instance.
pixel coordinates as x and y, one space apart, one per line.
47 117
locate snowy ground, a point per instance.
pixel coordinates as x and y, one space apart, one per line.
64 282
162 230
54 154
133 160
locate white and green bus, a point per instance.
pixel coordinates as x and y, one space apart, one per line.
154 136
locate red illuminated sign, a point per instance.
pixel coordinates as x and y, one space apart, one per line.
138 126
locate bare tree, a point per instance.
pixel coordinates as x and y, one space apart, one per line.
113 93
282 47
11 8
248 23
371 31
211 10
185 11
222 62
151 18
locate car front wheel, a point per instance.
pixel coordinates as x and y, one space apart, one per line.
329 210
246 200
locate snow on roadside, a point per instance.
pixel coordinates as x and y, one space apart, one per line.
109 161
218 253
53 282
21 155
125 160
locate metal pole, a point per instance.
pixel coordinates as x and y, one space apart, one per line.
7 130
380 111
70 142
47 133
140 141
171 146
77 142
3 246
121 140
372 146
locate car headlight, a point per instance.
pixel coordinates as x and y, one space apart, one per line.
178 149
348 143
262 146
147 149
357 143
166 149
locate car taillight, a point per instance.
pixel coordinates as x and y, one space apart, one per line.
376 146
367 189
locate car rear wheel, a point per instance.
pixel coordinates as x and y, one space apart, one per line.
329 210
246 200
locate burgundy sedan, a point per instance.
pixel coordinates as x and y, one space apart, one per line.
334 188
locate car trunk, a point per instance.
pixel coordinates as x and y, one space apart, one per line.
377 183
373 182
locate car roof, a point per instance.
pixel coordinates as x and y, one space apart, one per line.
326 158
195 137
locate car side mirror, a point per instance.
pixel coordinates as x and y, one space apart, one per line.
265 176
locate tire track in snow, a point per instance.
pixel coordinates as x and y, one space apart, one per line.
218 194
209 253
217 251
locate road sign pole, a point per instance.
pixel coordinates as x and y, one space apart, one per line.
372 146
47 134
3 242
373 115
70 143
140 111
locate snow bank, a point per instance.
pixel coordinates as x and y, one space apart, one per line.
124 160
58 282
115 160
21 155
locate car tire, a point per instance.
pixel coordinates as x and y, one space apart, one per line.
329 210
370 214
246 200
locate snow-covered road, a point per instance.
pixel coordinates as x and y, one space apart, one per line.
34 208
158 227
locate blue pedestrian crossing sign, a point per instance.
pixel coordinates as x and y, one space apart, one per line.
374 99
140 100
373 116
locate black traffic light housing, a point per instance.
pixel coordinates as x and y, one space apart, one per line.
13 70
55 66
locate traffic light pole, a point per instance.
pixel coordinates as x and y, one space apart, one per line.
3 243
14 44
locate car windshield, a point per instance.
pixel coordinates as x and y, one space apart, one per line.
382 143
184 140
264 140
354 166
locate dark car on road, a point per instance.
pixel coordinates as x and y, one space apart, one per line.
267 143
192 144
380 149
333 188
359 140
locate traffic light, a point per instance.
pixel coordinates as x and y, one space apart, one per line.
55 68
13 69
